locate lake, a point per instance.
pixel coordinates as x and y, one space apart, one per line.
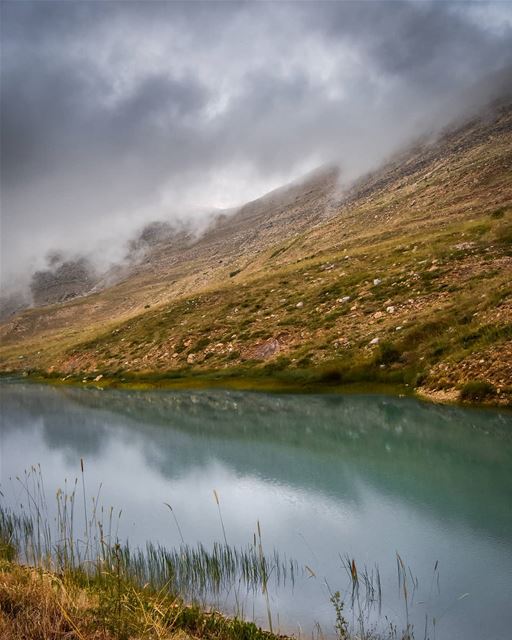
328 477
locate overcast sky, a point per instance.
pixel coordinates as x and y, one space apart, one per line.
117 112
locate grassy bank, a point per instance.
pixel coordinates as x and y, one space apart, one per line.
328 380
44 605
318 382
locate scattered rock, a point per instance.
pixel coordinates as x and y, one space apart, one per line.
299 305
390 309
374 341
376 282
191 358
462 246
266 350
98 378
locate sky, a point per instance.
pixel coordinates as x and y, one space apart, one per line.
118 113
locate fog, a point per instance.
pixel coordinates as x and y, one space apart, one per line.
117 114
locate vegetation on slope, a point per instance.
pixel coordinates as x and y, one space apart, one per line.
408 284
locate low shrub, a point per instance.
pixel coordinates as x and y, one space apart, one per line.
279 364
331 375
388 353
477 391
202 343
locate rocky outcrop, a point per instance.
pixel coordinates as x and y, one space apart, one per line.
63 281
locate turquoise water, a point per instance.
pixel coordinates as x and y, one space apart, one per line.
326 476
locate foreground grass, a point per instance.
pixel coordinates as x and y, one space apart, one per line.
43 605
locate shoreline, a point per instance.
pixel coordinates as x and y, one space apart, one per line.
256 384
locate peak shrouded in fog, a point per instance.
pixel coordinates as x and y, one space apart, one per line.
117 114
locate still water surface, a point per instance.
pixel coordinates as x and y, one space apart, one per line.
325 476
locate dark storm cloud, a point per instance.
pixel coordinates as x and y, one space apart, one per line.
432 42
115 113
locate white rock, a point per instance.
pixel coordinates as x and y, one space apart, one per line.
376 281
398 328
390 309
299 305
374 341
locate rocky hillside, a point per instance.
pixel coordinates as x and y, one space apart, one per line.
403 279
68 279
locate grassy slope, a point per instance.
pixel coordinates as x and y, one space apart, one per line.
435 228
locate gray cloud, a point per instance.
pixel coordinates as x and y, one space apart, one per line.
117 113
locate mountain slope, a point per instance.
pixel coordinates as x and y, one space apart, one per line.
405 278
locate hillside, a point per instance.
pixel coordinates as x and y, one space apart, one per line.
402 279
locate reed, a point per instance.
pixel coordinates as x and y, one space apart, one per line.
194 572
85 546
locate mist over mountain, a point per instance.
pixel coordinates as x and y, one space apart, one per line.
115 115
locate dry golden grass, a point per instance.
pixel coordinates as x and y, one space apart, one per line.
39 605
